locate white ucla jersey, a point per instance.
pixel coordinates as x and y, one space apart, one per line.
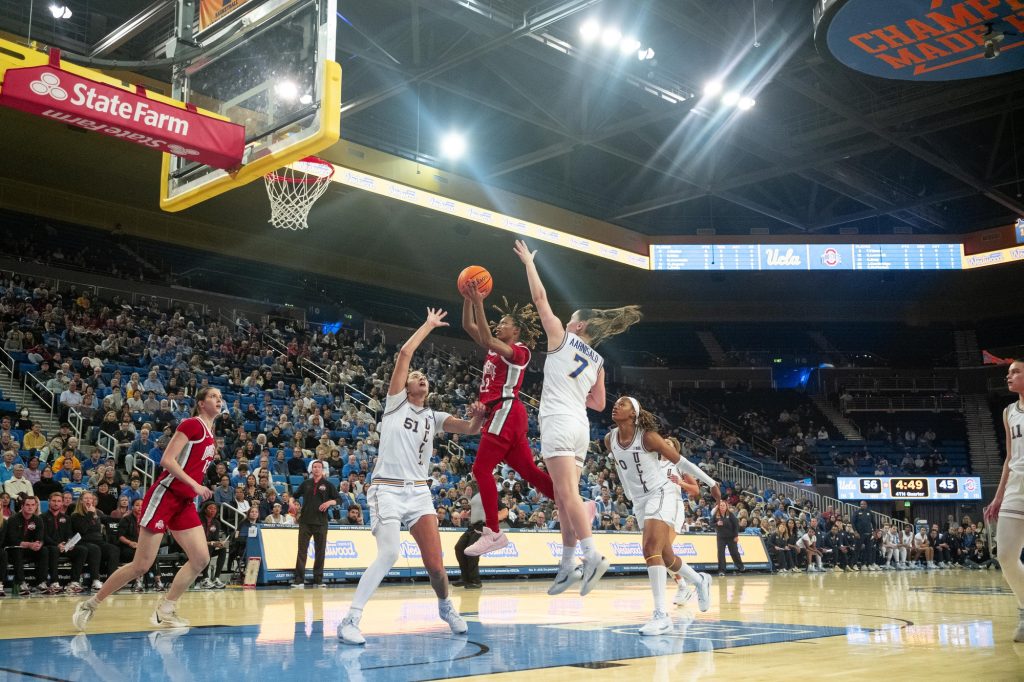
1015 424
407 439
570 371
641 471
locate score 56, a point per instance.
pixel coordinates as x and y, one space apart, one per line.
870 485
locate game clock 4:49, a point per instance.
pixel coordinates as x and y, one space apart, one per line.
916 486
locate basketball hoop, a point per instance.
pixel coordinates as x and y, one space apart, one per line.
293 189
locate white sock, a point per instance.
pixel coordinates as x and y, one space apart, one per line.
167 606
568 557
445 603
388 541
657 575
589 548
688 574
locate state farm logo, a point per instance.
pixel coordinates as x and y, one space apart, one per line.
49 84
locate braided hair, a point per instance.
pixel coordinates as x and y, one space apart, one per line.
524 318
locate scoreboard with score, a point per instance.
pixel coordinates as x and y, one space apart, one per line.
786 257
908 487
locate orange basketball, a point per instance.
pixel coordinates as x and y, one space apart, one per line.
479 275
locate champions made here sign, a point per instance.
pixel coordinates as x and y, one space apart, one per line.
923 40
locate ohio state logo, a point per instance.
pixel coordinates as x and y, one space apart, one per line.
49 84
830 258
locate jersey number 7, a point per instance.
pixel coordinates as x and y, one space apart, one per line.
583 365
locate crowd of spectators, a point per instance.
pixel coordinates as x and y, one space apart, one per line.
130 369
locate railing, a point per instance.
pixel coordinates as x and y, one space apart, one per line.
107 444
755 441
230 516
904 404
733 454
754 482
912 384
351 391
454 448
7 360
37 388
77 422
145 466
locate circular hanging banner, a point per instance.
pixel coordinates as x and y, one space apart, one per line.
922 40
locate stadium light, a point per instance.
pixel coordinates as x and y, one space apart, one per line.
629 45
60 11
590 31
453 145
713 88
745 103
730 98
610 37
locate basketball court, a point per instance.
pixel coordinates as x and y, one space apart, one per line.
906 625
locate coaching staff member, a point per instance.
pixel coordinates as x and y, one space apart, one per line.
318 495
727 527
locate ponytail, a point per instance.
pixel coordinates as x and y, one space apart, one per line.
647 421
602 324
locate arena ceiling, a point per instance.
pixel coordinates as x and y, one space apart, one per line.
631 142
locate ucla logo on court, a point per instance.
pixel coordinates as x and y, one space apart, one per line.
627 549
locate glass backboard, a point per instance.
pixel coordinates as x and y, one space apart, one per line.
268 66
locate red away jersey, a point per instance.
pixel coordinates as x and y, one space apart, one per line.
194 458
502 378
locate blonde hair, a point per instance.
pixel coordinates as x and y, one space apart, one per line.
80 505
524 318
674 442
603 324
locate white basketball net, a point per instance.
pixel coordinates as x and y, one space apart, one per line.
293 189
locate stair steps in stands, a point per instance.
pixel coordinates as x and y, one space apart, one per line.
968 354
986 460
13 390
842 424
713 348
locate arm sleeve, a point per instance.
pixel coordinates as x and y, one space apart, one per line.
685 466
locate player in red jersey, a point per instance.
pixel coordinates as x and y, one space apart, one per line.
170 505
503 437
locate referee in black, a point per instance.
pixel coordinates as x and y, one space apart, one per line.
317 495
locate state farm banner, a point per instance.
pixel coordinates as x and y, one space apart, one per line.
65 97
212 11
